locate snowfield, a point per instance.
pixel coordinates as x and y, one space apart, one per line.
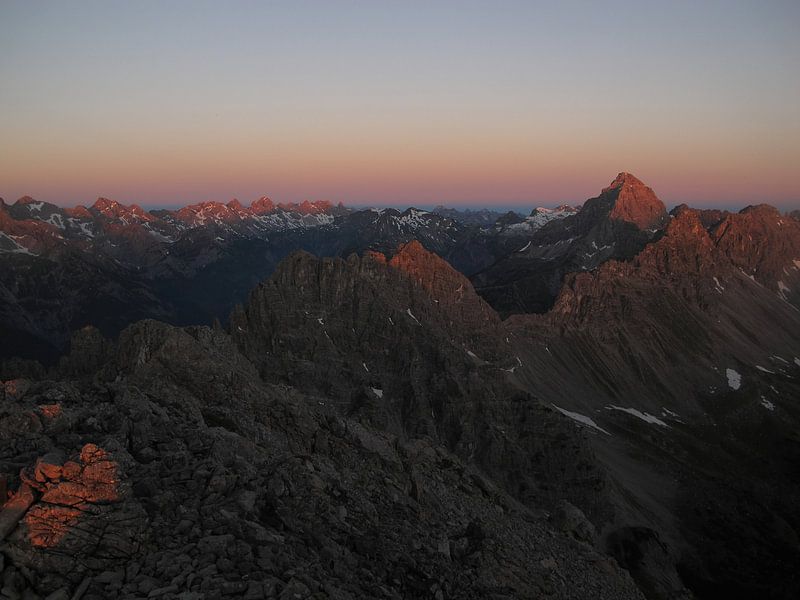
734 379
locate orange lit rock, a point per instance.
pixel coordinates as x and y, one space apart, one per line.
49 467
47 524
636 203
93 480
51 411
68 490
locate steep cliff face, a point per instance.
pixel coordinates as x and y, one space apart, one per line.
765 245
449 289
634 202
406 345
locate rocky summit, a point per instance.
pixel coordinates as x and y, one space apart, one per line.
635 203
309 401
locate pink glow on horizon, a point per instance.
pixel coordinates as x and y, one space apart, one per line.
459 103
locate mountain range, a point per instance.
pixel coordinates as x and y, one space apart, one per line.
109 265
314 401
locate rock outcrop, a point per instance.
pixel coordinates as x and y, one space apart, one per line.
635 203
159 478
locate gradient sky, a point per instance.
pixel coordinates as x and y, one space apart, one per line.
485 103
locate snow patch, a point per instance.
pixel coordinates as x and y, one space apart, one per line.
17 249
413 218
767 404
56 220
734 379
161 237
719 286
665 412
760 368
646 417
363 364
525 247
410 314
377 392
579 418
539 217
86 229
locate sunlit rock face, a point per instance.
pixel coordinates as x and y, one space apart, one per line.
634 202
68 489
79 514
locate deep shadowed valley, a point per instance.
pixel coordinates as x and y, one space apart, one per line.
311 401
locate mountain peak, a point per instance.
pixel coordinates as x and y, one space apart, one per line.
262 206
104 204
414 248
622 179
635 202
416 261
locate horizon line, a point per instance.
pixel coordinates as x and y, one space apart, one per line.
492 206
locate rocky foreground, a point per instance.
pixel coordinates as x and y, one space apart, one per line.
174 471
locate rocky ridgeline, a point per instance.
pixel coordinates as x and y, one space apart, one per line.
624 224
175 472
407 346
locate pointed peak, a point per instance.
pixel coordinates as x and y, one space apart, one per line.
105 204
235 204
79 211
622 179
414 259
414 247
25 200
635 202
262 206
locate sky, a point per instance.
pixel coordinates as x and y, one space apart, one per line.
494 103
